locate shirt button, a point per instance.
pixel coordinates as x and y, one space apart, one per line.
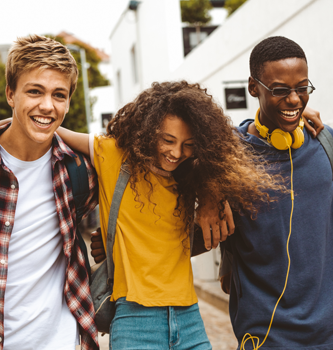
12 187
7 223
3 261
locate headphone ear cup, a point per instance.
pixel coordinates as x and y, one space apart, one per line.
298 138
281 140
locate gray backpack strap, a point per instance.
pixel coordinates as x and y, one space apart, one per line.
122 181
326 140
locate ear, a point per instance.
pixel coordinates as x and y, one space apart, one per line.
10 96
253 88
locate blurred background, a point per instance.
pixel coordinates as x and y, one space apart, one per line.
122 46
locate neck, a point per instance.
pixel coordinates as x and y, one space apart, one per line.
253 131
22 149
158 171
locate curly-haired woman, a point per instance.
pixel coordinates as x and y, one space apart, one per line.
180 149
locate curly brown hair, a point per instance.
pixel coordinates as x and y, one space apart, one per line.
222 167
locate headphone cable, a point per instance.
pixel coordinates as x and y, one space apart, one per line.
248 336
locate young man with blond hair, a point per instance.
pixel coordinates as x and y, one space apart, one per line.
45 298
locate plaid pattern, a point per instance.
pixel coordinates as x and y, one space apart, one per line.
76 290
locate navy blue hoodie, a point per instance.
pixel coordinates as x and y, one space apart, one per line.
304 317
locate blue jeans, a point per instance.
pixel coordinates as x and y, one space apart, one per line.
136 327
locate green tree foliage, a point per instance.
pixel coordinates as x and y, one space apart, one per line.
196 12
232 5
5 110
76 116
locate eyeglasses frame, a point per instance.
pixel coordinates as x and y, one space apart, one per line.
290 90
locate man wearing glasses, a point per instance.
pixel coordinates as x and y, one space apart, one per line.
304 315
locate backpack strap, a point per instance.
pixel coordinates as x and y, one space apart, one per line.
78 175
121 184
326 140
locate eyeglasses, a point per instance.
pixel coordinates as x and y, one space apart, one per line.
284 91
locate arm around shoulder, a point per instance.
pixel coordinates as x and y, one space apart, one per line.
75 140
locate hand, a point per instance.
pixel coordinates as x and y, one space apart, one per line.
214 228
5 121
313 115
97 247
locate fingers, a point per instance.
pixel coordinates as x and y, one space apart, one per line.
99 258
316 125
216 234
310 128
224 231
319 129
206 234
216 228
229 218
96 233
96 238
97 252
96 245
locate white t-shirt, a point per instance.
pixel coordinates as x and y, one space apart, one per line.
36 316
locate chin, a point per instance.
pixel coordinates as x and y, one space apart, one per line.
170 168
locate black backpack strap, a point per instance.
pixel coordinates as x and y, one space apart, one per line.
78 175
326 140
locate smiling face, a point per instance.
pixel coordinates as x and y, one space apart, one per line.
281 112
176 143
40 102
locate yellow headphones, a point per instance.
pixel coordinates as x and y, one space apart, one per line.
280 139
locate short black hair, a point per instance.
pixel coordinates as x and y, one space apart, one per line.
274 48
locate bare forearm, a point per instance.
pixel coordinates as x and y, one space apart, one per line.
5 121
75 140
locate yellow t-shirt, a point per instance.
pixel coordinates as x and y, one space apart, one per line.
152 268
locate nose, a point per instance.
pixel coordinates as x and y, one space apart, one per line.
176 151
293 98
46 104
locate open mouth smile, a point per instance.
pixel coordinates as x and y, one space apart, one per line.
43 121
173 161
287 114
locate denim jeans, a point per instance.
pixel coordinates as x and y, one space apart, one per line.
137 327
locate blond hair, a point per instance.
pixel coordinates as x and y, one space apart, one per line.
41 52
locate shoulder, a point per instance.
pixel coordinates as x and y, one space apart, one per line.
106 153
104 144
243 126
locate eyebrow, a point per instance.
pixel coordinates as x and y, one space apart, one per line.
43 87
166 134
300 82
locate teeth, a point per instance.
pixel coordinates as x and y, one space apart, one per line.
42 120
290 114
171 161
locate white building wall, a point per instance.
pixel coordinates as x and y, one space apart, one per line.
224 55
122 41
155 29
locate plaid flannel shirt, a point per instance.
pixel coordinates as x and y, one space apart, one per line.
76 289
